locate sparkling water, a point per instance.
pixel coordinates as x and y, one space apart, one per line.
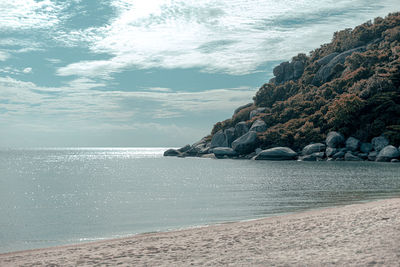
69 195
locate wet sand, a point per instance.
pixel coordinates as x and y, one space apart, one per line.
358 235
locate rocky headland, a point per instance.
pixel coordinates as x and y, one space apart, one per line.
340 102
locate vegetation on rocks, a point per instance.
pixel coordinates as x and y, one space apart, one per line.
350 85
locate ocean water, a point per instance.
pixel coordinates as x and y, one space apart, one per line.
62 196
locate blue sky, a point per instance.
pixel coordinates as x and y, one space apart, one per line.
148 73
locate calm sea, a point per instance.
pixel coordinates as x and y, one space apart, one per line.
69 195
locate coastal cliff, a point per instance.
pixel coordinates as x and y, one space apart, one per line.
349 88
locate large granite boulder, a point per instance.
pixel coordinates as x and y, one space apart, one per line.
255 112
241 128
230 135
379 142
288 71
352 144
326 59
171 153
276 153
246 143
351 157
330 151
366 147
334 139
221 152
326 72
316 156
242 107
312 148
219 140
388 153
258 126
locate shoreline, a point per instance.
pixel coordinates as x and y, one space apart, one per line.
373 228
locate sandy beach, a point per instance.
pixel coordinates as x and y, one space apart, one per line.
358 234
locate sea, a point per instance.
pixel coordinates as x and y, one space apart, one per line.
58 196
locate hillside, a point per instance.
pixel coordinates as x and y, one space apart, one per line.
350 85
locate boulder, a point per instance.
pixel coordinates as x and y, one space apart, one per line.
330 151
288 71
388 153
351 157
364 156
219 140
339 154
246 143
379 142
242 107
352 144
372 155
255 112
316 156
394 160
171 153
208 156
334 139
241 128
230 135
312 148
366 147
276 153
185 148
326 72
221 152
258 126
325 60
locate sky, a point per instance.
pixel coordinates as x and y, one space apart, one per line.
134 73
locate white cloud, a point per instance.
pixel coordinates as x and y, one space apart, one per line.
4 56
27 70
235 36
29 14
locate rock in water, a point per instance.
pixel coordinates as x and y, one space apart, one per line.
277 153
334 139
184 149
312 148
241 128
352 144
219 140
379 142
388 153
221 152
350 157
258 126
171 153
246 143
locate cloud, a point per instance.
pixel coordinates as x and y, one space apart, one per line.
29 14
27 70
234 37
4 56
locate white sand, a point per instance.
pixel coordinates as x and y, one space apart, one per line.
360 234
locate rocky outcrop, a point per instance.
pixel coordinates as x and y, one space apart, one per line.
334 139
241 128
171 153
288 71
246 144
221 152
388 153
242 107
256 112
352 144
379 142
276 153
327 71
219 140
258 126
313 148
